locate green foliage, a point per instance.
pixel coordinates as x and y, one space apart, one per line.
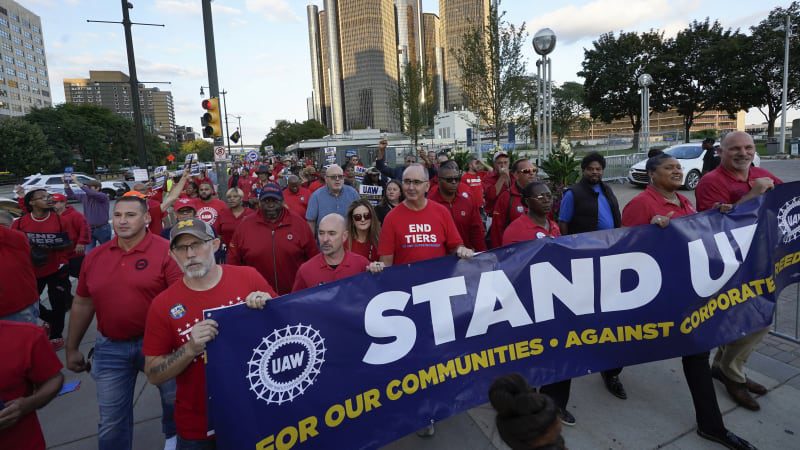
203 148
25 148
611 70
569 111
702 69
562 170
703 134
493 72
766 64
413 103
287 133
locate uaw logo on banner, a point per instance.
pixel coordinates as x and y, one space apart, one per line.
365 360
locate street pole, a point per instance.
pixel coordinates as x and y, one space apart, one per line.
213 87
134 85
227 129
788 25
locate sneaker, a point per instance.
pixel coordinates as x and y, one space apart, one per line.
57 344
427 431
171 443
566 417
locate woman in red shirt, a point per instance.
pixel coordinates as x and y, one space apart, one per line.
536 224
232 216
364 228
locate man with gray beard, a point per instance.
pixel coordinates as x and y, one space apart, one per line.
176 335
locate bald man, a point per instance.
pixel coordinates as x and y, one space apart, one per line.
736 181
335 197
334 263
295 196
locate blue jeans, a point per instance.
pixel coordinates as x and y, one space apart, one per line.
187 444
100 235
28 314
115 367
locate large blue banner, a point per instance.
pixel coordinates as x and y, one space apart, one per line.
360 362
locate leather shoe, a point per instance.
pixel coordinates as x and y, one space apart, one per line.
729 440
755 388
737 391
615 386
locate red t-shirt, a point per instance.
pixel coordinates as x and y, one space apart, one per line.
316 271
642 208
227 223
524 229
490 193
467 217
297 203
156 217
26 359
17 280
276 249
48 232
365 249
208 211
313 185
169 326
506 210
78 229
474 183
412 236
721 186
123 284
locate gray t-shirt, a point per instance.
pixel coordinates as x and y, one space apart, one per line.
323 203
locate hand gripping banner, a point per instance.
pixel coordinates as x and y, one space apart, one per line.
363 361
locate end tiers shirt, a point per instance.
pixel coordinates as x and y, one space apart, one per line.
412 236
169 326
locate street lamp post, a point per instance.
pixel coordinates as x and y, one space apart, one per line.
645 80
788 29
544 42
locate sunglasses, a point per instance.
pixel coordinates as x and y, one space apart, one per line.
361 217
545 196
452 180
529 171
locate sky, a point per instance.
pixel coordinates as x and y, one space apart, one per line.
262 45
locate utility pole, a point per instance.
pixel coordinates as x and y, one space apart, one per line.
213 87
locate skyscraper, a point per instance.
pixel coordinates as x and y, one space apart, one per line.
409 32
434 57
24 79
458 17
110 89
358 63
315 108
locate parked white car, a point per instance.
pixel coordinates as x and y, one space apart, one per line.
54 183
691 159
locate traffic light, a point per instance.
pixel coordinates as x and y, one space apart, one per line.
211 120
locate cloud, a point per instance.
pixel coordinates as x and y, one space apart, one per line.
272 10
192 7
237 23
573 23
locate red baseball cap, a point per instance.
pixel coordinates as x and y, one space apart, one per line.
185 203
59 197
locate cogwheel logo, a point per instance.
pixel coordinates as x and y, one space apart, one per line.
286 363
789 220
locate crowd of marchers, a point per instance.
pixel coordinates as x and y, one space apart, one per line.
173 250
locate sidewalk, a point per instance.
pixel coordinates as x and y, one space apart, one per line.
657 414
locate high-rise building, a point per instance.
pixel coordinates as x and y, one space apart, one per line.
24 79
358 63
111 90
433 56
458 17
409 33
316 110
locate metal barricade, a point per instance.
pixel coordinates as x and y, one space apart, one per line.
617 166
786 322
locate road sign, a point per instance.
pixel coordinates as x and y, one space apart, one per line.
170 157
219 153
252 156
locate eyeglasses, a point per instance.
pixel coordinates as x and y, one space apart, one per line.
529 171
410 161
360 217
451 180
414 182
545 196
334 177
46 197
194 246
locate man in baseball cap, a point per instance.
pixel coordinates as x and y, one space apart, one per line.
77 228
185 208
194 227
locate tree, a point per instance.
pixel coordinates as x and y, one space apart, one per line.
25 149
611 70
413 103
766 64
203 148
493 71
702 70
569 110
287 133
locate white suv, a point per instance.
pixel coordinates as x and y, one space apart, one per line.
55 184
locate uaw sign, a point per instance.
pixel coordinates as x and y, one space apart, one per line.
365 360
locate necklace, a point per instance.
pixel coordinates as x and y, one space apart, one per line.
42 219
